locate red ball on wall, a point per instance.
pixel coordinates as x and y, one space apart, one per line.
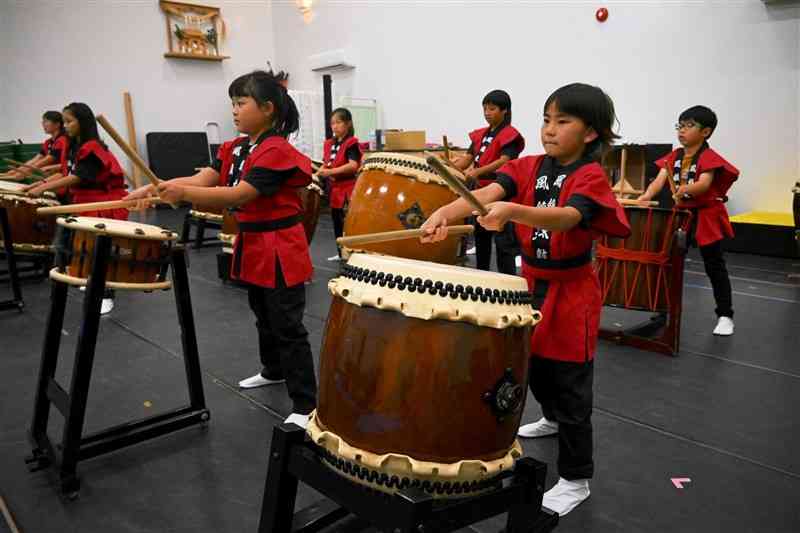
601 14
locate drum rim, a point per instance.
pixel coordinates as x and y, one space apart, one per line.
112 227
415 173
63 277
463 471
440 268
12 196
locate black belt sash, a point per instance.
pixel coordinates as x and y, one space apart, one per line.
261 226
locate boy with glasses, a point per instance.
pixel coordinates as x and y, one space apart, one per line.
700 178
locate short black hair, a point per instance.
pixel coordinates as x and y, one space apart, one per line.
501 99
591 105
702 115
53 116
265 87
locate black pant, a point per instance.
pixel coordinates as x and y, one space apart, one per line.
283 340
507 248
564 391
338 214
714 261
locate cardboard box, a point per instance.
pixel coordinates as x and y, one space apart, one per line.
404 140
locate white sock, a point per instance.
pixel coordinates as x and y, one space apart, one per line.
566 495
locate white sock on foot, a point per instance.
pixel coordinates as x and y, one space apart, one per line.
724 326
566 495
258 381
297 418
541 428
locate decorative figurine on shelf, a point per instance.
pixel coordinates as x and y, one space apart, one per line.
193 31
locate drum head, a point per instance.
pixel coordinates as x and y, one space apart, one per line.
38 202
118 228
406 165
431 291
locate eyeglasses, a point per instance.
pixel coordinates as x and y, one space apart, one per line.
687 125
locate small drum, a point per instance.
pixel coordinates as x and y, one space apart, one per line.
311 197
139 257
423 375
396 192
30 232
637 272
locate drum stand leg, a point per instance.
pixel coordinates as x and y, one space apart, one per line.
75 447
200 225
293 458
13 275
669 324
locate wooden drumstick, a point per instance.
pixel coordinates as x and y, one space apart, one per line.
95 206
17 164
134 157
455 184
399 235
641 203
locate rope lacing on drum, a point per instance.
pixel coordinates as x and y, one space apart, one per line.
454 291
383 479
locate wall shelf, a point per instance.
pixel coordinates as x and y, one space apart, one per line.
178 55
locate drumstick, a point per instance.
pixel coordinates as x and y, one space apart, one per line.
95 206
455 184
134 157
642 203
34 170
388 236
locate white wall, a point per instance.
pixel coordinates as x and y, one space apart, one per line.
430 63
60 52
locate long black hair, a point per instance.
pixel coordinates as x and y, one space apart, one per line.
501 99
594 107
265 87
55 117
88 124
345 115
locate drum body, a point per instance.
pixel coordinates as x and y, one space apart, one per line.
637 272
30 232
396 192
139 257
423 374
311 197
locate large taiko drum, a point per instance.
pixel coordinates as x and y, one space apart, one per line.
423 375
139 258
30 232
638 272
395 192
